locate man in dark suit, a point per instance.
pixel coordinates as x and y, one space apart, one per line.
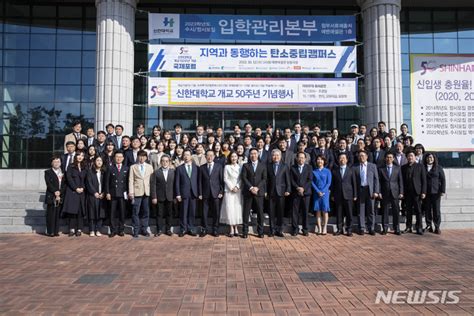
321 150
391 191
201 138
116 187
162 194
90 140
343 193
367 178
263 155
290 142
342 144
254 178
68 158
296 137
377 156
399 155
301 177
131 156
186 190
414 181
117 138
177 132
287 156
211 191
101 142
278 187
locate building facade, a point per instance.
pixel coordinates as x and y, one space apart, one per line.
62 61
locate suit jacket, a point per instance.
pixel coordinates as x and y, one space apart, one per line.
92 184
117 143
72 138
94 142
64 161
417 181
139 184
116 183
279 183
303 179
52 185
435 180
350 158
378 161
344 187
184 186
254 179
265 157
129 158
292 148
211 185
391 187
204 139
328 154
174 136
403 160
201 161
161 189
372 178
288 157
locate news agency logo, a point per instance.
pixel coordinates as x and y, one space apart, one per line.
168 22
157 91
418 297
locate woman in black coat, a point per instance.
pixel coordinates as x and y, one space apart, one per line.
96 202
435 189
55 188
75 202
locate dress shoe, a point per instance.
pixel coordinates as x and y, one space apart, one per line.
146 234
98 234
158 233
191 233
261 235
56 235
279 234
236 234
372 232
294 234
203 234
398 233
361 232
349 234
245 236
78 233
169 233
337 233
215 234
269 235
384 232
112 235
408 230
429 228
135 235
72 232
437 231
181 234
305 233
230 235
419 232
121 234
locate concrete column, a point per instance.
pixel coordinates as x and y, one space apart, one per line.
115 51
382 62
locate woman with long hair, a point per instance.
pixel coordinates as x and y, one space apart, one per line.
435 189
74 202
219 156
156 132
96 203
240 150
231 209
321 183
91 154
108 154
177 158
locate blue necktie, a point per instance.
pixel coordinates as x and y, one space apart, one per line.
389 169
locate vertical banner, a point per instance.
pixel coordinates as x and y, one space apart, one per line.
442 101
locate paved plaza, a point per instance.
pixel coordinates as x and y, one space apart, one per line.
312 275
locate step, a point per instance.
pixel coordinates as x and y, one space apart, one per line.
22 213
12 205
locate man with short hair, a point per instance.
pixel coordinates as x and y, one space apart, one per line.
75 135
381 126
131 156
139 193
90 137
162 194
110 129
101 142
68 157
301 177
177 132
140 130
290 142
201 138
117 138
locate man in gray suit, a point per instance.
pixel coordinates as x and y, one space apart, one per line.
162 193
367 179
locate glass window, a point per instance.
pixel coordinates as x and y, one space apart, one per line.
88 75
70 12
41 75
17 26
405 78
89 42
445 31
88 59
69 26
42 58
286 119
69 42
419 16
17 41
88 94
88 110
68 59
15 9
40 93
421 45
256 118
406 95
46 26
67 110
405 62
466 15
68 75
15 75
44 11
466 31
213 118
35 160
466 45
16 58
323 118
68 93
421 30
444 16
446 45
404 43
15 93
43 41
186 118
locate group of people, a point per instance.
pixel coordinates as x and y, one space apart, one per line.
282 173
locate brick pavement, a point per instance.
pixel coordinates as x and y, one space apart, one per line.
233 276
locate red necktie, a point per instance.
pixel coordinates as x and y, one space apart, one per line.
118 167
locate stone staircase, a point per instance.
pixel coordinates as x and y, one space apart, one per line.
24 212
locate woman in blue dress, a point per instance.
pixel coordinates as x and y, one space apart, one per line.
321 184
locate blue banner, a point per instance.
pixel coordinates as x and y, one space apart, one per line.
285 28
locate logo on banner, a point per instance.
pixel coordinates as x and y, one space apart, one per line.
164 26
157 91
168 21
428 66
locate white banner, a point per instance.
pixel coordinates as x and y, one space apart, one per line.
246 58
252 92
442 101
